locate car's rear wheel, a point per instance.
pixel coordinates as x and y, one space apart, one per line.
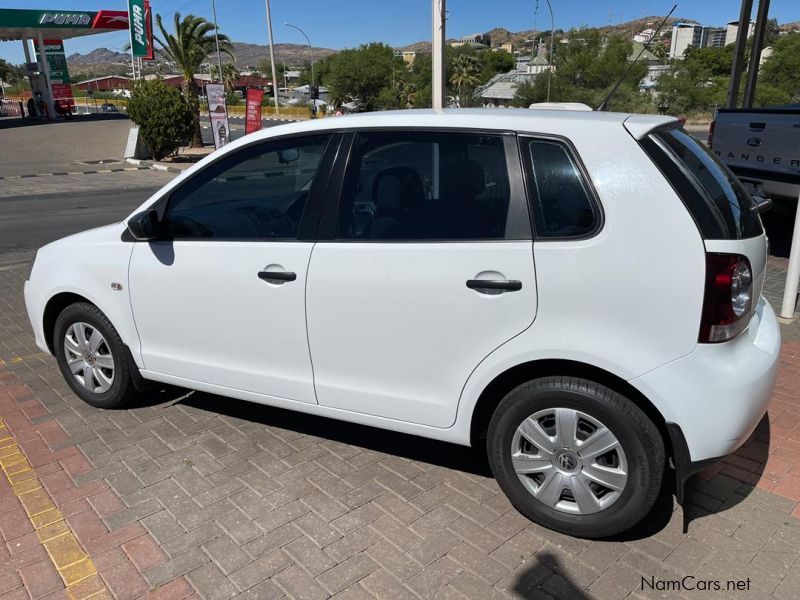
576 456
92 357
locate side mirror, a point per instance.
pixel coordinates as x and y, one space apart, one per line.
761 204
144 225
288 155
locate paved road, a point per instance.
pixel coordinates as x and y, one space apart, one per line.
28 222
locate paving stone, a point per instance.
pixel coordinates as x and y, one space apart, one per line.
211 583
346 573
227 554
296 583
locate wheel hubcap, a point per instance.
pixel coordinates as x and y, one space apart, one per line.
569 460
89 357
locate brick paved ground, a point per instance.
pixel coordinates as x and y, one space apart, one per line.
201 495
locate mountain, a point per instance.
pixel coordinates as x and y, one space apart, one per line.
500 35
97 56
247 55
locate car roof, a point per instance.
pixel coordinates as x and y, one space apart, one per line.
555 121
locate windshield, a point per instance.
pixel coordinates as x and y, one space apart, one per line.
717 200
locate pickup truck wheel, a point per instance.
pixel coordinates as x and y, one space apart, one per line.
576 456
92 357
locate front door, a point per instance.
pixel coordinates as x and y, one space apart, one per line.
428 269
221 299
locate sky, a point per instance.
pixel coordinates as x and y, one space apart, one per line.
348 23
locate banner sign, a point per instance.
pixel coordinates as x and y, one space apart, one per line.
148 23
14 18
253 112
218 114
137 27
59 75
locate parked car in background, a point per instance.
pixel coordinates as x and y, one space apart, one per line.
107 107
576 293
762 147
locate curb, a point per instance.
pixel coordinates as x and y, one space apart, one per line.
155 166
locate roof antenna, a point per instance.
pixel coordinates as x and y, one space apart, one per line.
603 106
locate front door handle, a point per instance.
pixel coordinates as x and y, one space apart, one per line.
277 276
504 285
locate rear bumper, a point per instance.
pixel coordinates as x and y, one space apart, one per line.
717 394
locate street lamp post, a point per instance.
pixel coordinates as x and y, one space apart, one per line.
310 47
550 58
272 61
216 39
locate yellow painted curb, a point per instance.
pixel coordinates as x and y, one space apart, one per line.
67 555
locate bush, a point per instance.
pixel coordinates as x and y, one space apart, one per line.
163 116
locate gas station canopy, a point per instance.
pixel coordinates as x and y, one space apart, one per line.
21 24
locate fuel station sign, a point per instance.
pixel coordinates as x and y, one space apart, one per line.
59 75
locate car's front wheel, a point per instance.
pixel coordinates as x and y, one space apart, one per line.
92 357
576 456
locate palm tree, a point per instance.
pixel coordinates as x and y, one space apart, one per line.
465 75
229 75
187 49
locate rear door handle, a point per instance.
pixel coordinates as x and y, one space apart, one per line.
505 285
277 276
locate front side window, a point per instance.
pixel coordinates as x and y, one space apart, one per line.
259 192
562 204
425 186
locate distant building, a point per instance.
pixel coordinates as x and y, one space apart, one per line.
732 30
508 47
645 36
110 82
501 89
476 38
408 56
684 35
713 37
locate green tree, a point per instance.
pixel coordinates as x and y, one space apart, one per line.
229 75
187 48
465 76
163 115
586 69
782 69
494 62
362 73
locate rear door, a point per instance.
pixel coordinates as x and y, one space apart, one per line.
423 267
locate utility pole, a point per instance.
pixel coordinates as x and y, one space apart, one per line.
738 53
755 53
216 39
272 61
437 52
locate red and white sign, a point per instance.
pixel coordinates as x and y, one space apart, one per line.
218 114
253 111
110 19
148 31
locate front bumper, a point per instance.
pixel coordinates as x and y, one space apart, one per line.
34 305
717 394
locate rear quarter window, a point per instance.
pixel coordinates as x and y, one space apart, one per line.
717 201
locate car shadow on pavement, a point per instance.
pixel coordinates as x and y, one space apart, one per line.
444 454
715 490
725 484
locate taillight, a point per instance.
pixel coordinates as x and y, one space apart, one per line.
728 297
711 132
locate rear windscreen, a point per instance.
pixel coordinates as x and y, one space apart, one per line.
719 204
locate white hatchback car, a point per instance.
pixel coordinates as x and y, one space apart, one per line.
578 291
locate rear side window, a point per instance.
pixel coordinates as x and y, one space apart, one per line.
719 204
563 207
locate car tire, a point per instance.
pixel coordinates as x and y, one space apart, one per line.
581 493
107 366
